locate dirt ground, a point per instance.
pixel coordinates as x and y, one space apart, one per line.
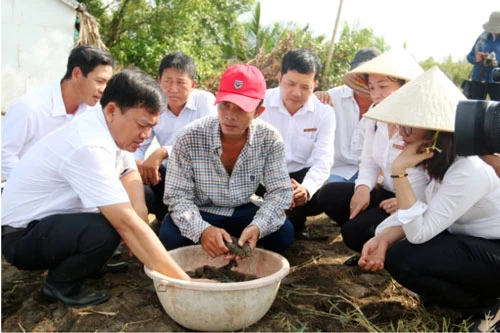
319 294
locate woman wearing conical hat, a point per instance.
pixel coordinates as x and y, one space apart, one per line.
359 207
445 247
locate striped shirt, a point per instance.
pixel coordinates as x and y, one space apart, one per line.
197 180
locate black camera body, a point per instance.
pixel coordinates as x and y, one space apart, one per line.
477 125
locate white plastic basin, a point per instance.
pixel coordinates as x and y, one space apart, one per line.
204 306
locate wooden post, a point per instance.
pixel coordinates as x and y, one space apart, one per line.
332 44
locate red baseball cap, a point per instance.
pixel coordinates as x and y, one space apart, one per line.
243 85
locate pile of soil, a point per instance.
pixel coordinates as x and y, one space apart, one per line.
319 294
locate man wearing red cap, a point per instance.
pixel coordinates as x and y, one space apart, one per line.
215 167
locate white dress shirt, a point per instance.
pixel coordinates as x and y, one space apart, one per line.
199 104
29 119
349 132
308 136
465 202
74 169
378 155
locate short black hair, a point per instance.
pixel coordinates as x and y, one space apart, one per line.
134 88
302 61
87 57
180 61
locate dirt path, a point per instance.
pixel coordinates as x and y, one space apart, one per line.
320 294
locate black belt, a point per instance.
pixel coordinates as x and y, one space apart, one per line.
9 230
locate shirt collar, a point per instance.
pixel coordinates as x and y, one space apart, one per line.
277 101
190 105
100 117
58 107
347 92
216 134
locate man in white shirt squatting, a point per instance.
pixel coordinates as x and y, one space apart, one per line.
64 207
39 112
349 106
308 129
217 164
177 77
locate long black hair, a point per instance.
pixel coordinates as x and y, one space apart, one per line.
437 165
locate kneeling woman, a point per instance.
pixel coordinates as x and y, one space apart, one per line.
446 249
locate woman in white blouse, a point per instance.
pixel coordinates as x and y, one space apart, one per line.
445 247
359 207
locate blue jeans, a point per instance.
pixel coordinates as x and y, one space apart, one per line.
242 216
340 179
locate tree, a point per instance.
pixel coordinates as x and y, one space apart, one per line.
456 71
140 32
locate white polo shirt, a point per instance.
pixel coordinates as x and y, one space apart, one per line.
29 119
200 104
74 169
349 132
308 136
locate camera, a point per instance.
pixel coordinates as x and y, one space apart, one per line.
491 60
477 125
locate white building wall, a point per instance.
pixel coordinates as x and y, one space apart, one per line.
37 36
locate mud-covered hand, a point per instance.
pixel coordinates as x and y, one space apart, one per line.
212 240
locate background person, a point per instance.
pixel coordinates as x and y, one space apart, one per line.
445 247
185 103
64 208
215 167
359 207
484 55
349 106
308 129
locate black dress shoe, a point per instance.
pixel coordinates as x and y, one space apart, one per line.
82 297
352 261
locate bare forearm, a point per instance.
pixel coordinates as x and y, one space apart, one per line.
392 234
132 183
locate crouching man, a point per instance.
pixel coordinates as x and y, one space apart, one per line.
64 207
217 164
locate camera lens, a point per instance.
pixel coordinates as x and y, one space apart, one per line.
477 128
492 127
495 74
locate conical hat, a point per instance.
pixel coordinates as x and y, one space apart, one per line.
396 63
429 102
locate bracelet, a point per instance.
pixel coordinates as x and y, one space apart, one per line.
400 175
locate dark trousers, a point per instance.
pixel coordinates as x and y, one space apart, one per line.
71 246
454 271
154 197
479 90
335 198
243 215
298 215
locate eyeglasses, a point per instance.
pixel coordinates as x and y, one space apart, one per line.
407 131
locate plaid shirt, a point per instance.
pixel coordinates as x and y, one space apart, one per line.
197 181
